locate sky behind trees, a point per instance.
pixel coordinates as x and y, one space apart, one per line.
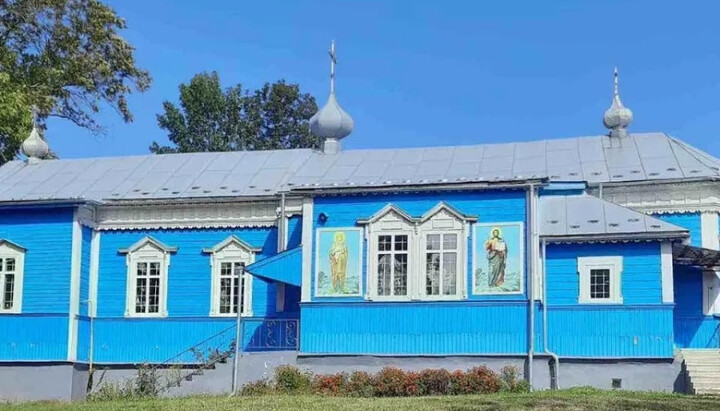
426 73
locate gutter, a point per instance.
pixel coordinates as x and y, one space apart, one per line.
618 237
447 186
53 202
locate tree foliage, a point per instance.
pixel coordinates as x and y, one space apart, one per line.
66 58
209 118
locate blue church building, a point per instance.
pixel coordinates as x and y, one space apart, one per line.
584 261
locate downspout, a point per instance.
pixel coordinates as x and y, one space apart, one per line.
281 225
530 289
556 359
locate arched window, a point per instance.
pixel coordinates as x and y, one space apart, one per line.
148 262
231 284
443 236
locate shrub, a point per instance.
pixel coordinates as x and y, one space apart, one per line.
434 382
360 384
412 384
332 384
147 383
482 380
290 380
259 387
511 381
460 383
390 382
112 391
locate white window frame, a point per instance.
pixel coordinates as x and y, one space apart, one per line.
614 264
10 250
147 250
391 221
443 220
231 250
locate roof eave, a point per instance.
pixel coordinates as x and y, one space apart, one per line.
616 237
421 187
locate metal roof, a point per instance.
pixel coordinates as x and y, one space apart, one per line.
582 215
638 157
187 175
641 156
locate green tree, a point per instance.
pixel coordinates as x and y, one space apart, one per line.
212 119
66 58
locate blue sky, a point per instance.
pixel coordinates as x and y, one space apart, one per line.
426 73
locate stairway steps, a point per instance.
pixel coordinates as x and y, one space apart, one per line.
703 370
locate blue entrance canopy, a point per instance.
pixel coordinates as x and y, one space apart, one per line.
285 267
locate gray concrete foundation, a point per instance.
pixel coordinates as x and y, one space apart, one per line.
62 381
39 382
635 374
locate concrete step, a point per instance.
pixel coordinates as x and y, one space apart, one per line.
704 373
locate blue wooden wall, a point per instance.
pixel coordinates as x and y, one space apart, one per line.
693 329
460 327
639 327
641 275
189 288
488 206
40 332
690 221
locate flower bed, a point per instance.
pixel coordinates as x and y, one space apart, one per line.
389 382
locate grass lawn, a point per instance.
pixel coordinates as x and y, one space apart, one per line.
575 399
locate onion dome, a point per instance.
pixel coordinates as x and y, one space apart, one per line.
34 147
618 117
331 122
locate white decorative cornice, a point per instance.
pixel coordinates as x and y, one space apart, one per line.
232 240
217 215
147 240
86 216
664 198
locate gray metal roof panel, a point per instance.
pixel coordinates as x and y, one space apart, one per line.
643 156
585 215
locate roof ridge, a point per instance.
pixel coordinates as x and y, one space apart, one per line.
694 152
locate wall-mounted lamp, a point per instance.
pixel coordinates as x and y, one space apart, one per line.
322 217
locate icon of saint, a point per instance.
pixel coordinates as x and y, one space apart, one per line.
338 261
496 249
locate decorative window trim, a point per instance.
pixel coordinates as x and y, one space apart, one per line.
391 220
8 249
612 263
147 250
443 220
231 250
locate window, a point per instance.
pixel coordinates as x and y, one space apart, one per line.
441 264
392 264
148 261
417 258
231 283
12 259
600 279
147 287
230 287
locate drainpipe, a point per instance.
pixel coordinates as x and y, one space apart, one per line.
556 359
531 274
281 225
91 356
238 341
